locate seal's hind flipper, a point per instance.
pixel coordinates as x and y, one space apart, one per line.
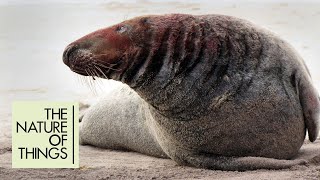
309 100
239 163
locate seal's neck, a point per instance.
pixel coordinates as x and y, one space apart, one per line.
173 73
191 67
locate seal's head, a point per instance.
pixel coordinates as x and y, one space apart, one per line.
111 52
133 51
106 53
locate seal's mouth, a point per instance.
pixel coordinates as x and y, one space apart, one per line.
86 63
76 60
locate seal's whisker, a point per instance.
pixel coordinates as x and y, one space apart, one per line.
101 64
98 82
107 65
86 72
95 72
91 73
85 79
80 79
90 82
104 75
104 66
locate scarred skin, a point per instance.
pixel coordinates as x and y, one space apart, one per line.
211 91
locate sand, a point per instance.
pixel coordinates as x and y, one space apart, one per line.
98 163
33 35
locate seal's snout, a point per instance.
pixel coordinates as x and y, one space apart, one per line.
67 53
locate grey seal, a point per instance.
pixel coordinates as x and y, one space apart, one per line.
209 91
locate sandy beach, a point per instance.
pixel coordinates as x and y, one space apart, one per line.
34 34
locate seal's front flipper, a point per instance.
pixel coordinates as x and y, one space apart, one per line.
239 163
309 100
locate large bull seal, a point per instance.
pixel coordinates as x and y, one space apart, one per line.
207 91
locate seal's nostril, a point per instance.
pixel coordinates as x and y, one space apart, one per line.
67 52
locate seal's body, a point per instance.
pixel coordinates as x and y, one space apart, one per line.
211 91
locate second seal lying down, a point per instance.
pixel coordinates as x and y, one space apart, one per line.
208 91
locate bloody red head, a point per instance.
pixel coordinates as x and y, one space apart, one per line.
137 50
107 52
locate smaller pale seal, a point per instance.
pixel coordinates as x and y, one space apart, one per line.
210 91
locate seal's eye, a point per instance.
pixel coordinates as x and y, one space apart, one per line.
145 20
122 29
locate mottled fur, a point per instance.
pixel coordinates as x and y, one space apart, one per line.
213 91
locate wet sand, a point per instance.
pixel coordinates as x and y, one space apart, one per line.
32 39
